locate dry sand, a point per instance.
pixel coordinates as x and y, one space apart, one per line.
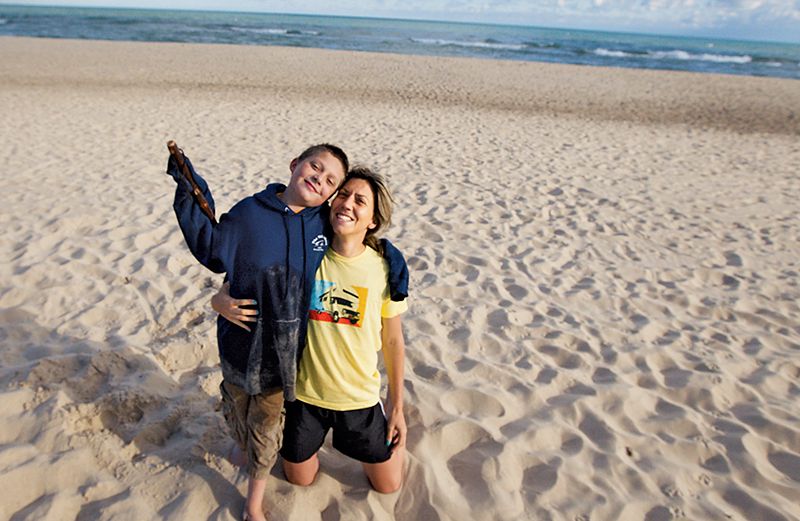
604 320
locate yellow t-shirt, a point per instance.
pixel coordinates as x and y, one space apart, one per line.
339 367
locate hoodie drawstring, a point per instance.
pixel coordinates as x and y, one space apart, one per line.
303 276
288 249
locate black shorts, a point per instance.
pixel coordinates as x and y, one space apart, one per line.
360 434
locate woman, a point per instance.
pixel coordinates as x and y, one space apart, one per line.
351 318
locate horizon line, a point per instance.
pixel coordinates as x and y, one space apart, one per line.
391 18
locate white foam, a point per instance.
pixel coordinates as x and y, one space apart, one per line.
281 32
683 55
458 43
613 54
675 55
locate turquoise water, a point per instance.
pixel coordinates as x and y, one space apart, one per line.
409 37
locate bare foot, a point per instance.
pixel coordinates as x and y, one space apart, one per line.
237 457
256 515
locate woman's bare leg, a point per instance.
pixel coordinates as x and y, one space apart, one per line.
386 477
303 473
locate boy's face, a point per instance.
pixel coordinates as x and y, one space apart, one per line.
314 179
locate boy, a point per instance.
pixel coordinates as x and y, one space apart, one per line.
269 246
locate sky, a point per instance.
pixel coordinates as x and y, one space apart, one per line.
770 20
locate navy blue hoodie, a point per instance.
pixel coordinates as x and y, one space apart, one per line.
269 253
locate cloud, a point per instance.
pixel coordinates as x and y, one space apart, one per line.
709 12
725 18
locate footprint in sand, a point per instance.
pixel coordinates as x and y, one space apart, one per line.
571 444
603 375
561 357
598 432
546 375
666 411
540 478
788 464
517 291
417 263
752 508
497 319
658 513
431 373
472 403
676 378
468 463
639 321
752 346
716 464
465 364
732 259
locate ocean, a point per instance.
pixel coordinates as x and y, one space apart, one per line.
503 42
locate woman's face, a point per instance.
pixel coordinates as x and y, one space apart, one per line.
352 209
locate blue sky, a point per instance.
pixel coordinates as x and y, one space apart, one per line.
738 19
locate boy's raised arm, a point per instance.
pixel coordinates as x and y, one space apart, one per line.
202 235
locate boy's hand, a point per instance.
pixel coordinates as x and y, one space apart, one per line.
231 308
396 429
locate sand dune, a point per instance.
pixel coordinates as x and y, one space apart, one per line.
604 322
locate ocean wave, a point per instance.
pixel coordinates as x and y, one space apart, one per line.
717 58
613 54
273 31
411 37
539 45
675 55
772 61
491 44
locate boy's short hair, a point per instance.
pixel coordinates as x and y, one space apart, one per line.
333 150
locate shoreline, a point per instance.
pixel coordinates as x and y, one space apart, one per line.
603 319
727 102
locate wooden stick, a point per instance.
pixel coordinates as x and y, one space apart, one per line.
177 153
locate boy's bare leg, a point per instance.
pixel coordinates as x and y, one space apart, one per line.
255 498
303 473
386 477
237 457
255 423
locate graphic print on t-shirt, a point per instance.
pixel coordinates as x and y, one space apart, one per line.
331 302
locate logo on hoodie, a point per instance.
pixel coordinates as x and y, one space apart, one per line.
320 243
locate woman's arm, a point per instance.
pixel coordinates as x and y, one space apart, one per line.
231 308
393 346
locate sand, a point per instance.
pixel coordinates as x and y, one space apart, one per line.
604 319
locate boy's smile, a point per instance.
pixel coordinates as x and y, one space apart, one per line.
311 187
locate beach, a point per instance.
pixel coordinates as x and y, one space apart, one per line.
603 317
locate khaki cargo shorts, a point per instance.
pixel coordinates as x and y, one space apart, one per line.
256 424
